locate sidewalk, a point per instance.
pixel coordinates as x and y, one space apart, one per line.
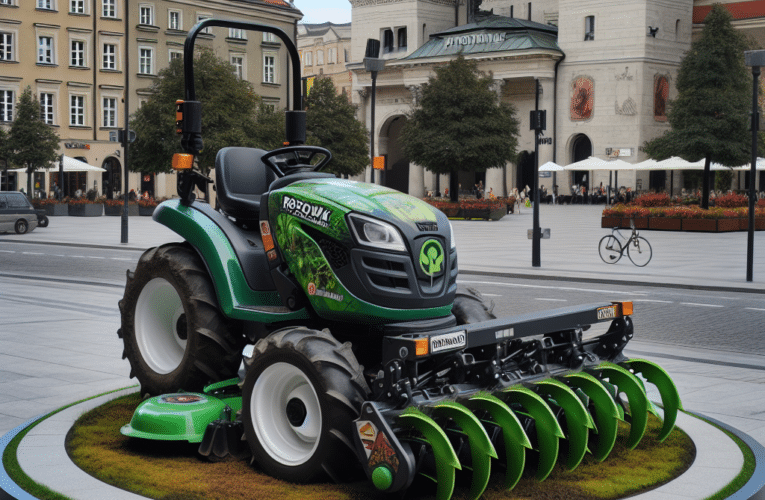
62 346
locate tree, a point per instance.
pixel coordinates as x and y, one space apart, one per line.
710 116
31 143
231 115
459 124
332 124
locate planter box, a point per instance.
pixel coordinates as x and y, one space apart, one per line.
451 211
665 223
610 222
724 225
117 210
700 225
57 210
86 210
146 211
640 222
483 213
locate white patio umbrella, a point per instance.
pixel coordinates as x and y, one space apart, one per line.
551 167
70 165
594 163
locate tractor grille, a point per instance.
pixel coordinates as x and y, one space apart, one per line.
386 274
335 253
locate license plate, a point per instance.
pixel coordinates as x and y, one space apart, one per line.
607 312
448 341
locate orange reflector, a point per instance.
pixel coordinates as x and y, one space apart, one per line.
285 143
178 110
268 242
182 161
421 347
626 308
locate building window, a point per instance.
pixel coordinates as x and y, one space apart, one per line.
45 4
109 8
269 37
45 49
110 56
6 105
308 58
77 110
175 54
202 17
77 57
237 33
146 61
402 38
589 28
238 62
5 2
345 55
320 58
6 46
46 108
331 56
269 69
174 20
146 15
76 6
387 41
110 112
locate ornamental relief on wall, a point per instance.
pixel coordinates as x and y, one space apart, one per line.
624 104
582 98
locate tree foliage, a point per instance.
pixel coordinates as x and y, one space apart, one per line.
30 142
710 116
232 115
332 124
460 124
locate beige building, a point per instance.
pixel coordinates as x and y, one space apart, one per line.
72 54
606 70
324 51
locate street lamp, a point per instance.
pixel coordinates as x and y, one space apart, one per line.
373 64
755 59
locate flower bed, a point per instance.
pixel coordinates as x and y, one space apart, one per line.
115 207
470 208
52 206
731 217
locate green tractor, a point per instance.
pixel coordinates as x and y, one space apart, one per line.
338 303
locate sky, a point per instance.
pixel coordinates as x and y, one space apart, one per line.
336 11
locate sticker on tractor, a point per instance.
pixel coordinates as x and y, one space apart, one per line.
318 292
182 399
310 212
382 453
448 341
265 229
311 289
368 434
431 257
607 312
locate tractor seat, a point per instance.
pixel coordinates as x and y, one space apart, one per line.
241 180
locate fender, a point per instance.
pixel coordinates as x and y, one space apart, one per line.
236 298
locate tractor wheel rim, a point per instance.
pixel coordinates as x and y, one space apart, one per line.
157 312
272 407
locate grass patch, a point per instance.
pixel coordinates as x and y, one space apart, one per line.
13 469
172 470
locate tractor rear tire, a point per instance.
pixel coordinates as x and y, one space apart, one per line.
470 306
175 336
301 394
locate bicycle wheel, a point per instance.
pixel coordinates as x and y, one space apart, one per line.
610 249
639 251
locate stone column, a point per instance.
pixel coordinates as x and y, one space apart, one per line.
494 181
416 180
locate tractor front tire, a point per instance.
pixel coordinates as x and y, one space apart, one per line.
302 391
174 335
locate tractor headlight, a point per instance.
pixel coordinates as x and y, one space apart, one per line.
451 236
376 233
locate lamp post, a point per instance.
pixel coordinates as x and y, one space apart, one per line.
755 59
538 121
125 138
373 64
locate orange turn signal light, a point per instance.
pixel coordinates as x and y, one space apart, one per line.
268 242
421 346
626 308
182 161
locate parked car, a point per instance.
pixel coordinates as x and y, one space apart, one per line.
16 213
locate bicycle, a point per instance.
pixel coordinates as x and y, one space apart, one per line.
638 249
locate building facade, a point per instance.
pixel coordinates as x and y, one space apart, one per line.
605 70
324 51
72 55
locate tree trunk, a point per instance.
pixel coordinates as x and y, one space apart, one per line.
705 184
454 194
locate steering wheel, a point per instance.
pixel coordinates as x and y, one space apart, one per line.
301 164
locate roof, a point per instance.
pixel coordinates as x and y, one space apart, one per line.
739 10
287 4
489 35
314 30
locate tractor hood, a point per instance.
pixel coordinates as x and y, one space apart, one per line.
377 201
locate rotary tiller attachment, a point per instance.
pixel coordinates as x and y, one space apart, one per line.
526 427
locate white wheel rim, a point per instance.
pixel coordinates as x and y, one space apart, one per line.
156 315
284 442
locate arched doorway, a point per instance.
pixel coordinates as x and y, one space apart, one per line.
581 149
396 162
111 180
525 176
